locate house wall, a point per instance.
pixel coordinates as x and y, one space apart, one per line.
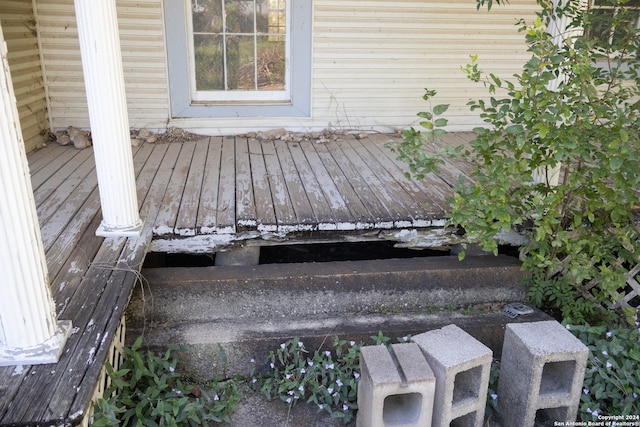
371 60
19 29
143 56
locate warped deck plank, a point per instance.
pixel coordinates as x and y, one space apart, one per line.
283 206
265 213
208 211
188 210
166 220
245 202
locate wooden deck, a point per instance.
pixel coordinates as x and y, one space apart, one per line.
224 189
194 196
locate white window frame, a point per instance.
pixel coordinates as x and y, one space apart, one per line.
222 96
594 6
183 106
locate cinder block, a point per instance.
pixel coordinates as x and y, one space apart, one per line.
461 365
396 387
541 374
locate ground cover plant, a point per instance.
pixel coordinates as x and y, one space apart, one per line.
557 159
612 380
149 390
327 378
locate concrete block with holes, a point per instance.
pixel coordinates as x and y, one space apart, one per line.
461 365
541 374
396 387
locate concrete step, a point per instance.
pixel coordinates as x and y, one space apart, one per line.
250 310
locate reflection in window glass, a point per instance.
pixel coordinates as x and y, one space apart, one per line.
239 45
612 22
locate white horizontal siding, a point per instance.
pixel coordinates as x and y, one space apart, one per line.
371 60
143 56
19 29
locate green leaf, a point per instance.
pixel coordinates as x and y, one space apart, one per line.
440 109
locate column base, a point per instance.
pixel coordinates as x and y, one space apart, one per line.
134 230
47 352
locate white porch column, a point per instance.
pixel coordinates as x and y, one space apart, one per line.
104 82
29 332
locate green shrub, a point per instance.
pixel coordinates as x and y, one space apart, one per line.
148 390
574 112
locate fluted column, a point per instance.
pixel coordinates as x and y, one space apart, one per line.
104 81
29 331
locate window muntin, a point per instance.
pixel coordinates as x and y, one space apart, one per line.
239 50
607 12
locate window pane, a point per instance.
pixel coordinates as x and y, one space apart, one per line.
271 63
239 45
239 16
207 16
209 62
241 63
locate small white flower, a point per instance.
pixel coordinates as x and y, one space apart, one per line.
605 352
287 376
356 375
585 391
301 388
568 327
321 405
609 365
253 360
589 410
253 380
282 346
338 382
345 408
328 366
272 365
289 400
171 369
352 343
290 392
330 390
300 344
494 396
609 334
311 363
216 397
178 392
303 371
635 395
595 414
405 338
327 353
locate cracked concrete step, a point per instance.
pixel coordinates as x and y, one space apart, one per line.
250 310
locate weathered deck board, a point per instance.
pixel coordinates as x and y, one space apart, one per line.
322 211
188 211
207 212
265 213
282 204
227 194
305 217
432 191
327 186
169 210
389 188
360 215
245 201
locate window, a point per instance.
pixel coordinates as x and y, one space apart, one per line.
612 21
239 50
239 58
